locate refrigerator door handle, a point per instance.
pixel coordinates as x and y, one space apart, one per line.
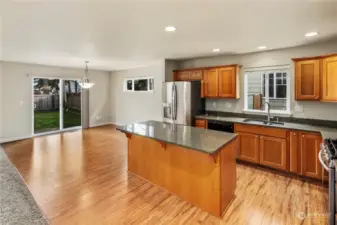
175 102
172 104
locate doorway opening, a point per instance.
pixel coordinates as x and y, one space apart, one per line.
57 105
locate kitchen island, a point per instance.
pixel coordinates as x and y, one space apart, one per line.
196 164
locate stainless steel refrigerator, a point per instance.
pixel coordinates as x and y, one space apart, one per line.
182 102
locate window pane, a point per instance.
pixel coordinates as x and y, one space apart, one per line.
129 85
281 91
141 85
151 84
278 75
278 81
255 91
271 85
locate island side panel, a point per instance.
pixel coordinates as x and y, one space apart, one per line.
192 175
228 173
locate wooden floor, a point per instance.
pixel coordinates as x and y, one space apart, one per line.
81 178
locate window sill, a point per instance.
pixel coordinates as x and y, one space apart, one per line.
272 112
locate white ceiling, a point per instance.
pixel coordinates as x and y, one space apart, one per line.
124 34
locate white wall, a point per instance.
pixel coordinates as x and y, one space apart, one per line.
315 110
16 88
128 107
1 97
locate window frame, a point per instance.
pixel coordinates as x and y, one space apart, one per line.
133 84
267 72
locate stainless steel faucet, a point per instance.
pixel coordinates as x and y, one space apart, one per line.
269 117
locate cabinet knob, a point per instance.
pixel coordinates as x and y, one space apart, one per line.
303 136
316 97
294 134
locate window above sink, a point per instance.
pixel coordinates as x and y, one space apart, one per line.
272 86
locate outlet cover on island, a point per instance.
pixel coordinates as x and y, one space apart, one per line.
298 108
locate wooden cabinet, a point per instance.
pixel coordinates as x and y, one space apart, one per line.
248 148
188 75
196 75
182 75
216 82
229 82
211 82
329 79
273 152
310 146
294 152
307 79
201 123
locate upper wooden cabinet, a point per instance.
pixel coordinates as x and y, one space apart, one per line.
187 75
329 79
211 81
229 82
316 78
217 82
307 80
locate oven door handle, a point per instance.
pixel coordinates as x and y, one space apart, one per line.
320 157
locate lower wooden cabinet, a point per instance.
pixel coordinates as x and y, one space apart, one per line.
248 149
310 147
201 123
273 152
294 152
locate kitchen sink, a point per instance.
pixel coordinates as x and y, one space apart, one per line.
263 122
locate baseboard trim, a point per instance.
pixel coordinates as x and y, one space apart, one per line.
6 140
101 124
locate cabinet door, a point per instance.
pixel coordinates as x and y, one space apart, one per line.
273 152
196 75
307 80
310 146
211 82
227 82
182 75
248 147
201 123
329 76
294 152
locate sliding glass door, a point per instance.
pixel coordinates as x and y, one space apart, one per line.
57 105
71 104
46 105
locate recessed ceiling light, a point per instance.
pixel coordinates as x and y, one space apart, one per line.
170 29
262 47
216 50
311 34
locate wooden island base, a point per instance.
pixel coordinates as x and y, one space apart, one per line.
207 181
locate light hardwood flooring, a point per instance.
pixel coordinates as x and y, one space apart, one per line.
81 178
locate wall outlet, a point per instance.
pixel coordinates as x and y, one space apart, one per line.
298 108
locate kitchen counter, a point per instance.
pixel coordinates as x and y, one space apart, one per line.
325 131
206 141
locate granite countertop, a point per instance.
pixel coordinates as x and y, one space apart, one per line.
325 131
203 140
17 203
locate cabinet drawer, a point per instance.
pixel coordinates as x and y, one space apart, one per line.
201 123
260 130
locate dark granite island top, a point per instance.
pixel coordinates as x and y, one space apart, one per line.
203 140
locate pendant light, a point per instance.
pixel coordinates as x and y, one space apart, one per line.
85 83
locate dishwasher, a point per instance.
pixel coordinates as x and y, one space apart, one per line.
221 126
